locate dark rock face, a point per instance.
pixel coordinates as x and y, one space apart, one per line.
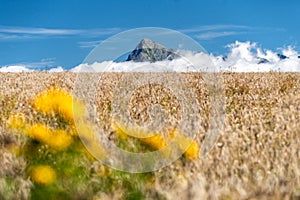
149 51
263 60
281 57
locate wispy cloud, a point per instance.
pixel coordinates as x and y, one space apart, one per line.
100 32
212 35
17 33
215 28
12 36
89 44
39 31
209 32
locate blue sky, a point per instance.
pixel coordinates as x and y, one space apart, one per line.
62 33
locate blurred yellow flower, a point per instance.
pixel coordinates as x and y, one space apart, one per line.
61 139
192 152
188 146
57 139
156 141
39 132
43 174
59 101
45 102
124 130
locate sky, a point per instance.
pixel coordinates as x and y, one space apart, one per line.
55 33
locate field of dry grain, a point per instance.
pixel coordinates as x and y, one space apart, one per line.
257 155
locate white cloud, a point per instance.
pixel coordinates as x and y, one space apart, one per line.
15 68
290 52
241 50
246 57
242 57
56 69
24 68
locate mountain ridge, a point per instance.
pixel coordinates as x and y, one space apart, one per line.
150 51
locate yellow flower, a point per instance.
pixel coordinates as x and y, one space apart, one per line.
17 122
39 132
43 174
45 102
61 140
192 152
156 141
123 130
190 147
59 101
57 139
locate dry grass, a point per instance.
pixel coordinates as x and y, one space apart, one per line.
257 155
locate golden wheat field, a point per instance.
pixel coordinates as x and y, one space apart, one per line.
257 155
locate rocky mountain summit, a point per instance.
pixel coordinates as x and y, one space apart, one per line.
149 51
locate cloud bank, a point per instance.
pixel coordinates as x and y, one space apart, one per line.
248 57
242 57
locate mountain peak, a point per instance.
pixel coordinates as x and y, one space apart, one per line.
147 43
150 51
